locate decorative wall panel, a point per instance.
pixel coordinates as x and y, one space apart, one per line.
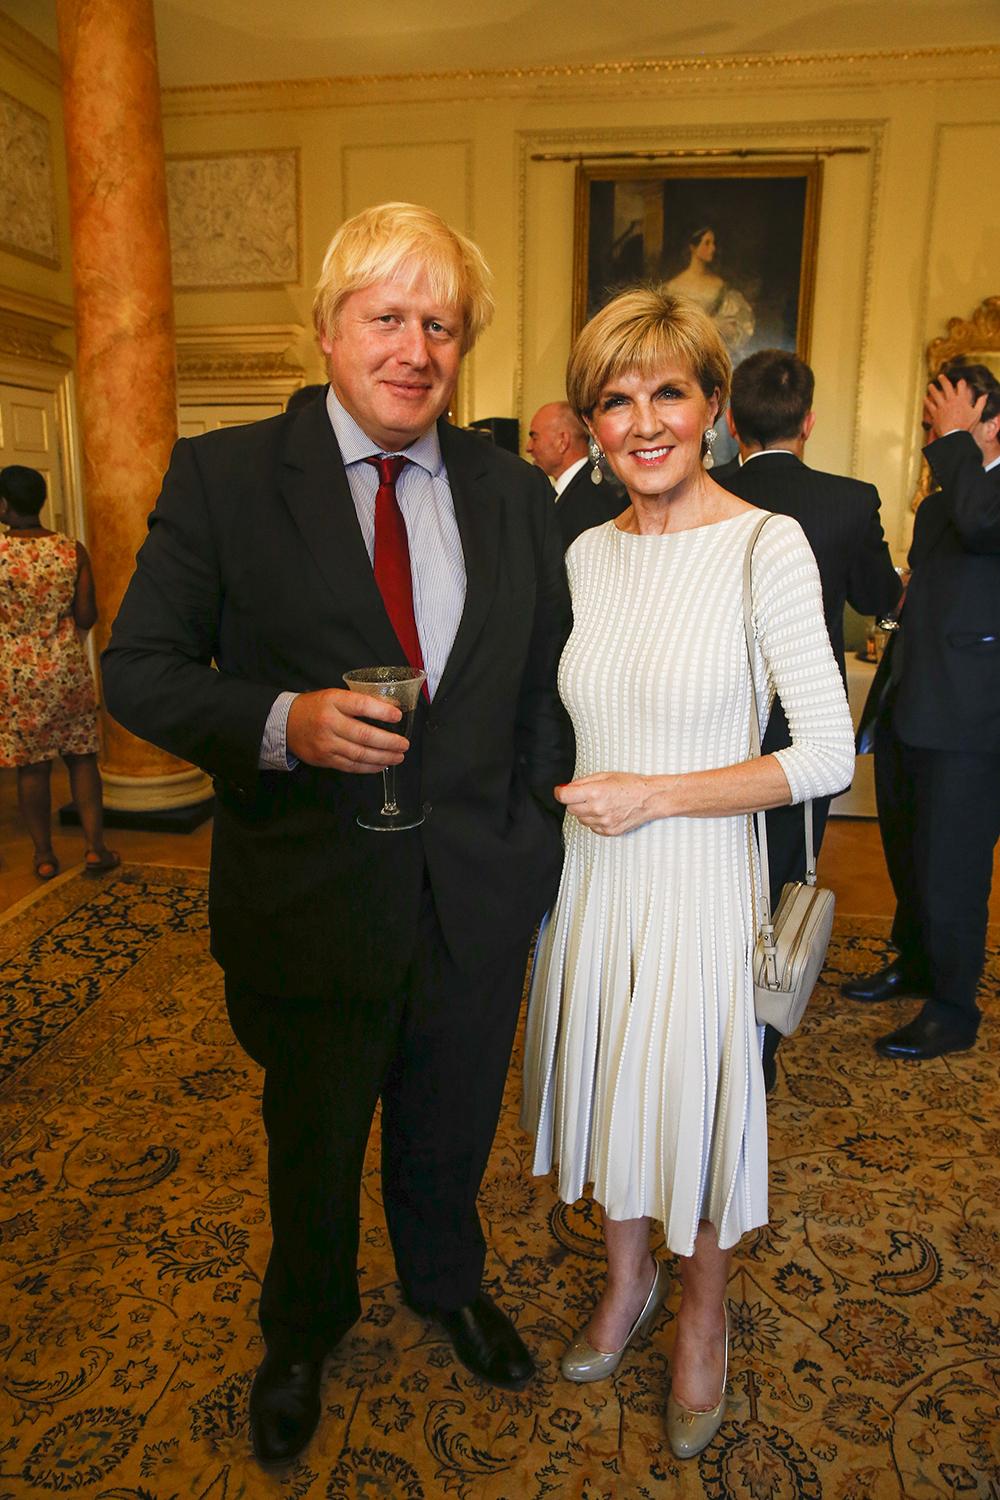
27 197
234 219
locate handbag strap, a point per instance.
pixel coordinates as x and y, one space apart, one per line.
766 923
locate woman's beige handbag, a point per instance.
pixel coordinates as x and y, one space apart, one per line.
791 945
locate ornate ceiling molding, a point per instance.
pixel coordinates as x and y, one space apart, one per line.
807 70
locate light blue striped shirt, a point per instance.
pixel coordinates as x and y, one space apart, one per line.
437 563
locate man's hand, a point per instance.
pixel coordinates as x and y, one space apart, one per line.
947 407
609 802
327 728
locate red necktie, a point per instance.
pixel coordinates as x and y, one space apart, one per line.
392 558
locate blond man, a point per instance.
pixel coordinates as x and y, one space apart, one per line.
363 966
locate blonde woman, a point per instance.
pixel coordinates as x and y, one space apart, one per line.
643 1069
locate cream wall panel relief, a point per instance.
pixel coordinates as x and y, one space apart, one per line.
27 197
234 219
963 263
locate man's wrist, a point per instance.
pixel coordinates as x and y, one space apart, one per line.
274 754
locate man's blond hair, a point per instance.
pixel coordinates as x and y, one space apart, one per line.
401 242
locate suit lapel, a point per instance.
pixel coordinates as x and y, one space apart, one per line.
478 512
315 489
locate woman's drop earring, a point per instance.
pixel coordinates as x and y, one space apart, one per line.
710 436
596 477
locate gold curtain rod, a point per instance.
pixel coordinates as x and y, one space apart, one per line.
740 153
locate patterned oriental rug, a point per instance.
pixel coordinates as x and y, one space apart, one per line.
866 1319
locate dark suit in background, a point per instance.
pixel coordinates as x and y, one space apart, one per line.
840 517
358 964
584 504
937 754
722 473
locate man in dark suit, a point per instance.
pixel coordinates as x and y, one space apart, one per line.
557 444
937 743
363 965
771 416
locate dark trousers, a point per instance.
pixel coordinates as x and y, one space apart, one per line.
939 816
786 860
436 1053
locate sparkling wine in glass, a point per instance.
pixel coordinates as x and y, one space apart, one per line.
401 685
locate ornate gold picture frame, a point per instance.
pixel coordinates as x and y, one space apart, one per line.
738 236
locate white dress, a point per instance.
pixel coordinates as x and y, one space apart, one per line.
642 1055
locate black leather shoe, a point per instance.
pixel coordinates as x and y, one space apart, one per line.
486 1342
890 983
927 1036
284 1406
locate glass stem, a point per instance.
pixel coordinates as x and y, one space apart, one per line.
390 810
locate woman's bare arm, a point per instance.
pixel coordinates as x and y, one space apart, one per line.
612 802
84 598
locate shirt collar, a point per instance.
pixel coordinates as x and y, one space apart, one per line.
763 452
355 445
568 474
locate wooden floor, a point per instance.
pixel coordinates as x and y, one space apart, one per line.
851 862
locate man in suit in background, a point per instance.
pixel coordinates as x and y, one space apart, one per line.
771 416
557 444
937 743
363 530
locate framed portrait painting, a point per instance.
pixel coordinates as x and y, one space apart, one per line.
738 237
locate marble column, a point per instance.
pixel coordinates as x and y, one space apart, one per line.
125 347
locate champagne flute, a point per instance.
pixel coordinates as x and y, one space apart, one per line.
401 685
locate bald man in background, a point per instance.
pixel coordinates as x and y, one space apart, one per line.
557 444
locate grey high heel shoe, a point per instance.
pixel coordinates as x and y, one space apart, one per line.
582 1362
691 1431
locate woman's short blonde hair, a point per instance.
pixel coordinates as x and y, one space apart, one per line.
640 331
401 241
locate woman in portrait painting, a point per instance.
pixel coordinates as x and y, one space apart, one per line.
730 310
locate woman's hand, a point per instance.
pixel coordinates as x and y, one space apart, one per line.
609 802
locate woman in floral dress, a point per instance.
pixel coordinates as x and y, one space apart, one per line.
46 604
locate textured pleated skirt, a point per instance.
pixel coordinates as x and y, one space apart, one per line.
642 1058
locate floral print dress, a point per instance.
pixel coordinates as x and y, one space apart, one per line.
49 706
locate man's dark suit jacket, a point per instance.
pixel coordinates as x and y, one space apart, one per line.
254 579
948 697
840 518
584 504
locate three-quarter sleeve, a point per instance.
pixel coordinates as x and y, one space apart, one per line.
795 661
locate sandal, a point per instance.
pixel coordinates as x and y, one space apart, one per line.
98 864
46 867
